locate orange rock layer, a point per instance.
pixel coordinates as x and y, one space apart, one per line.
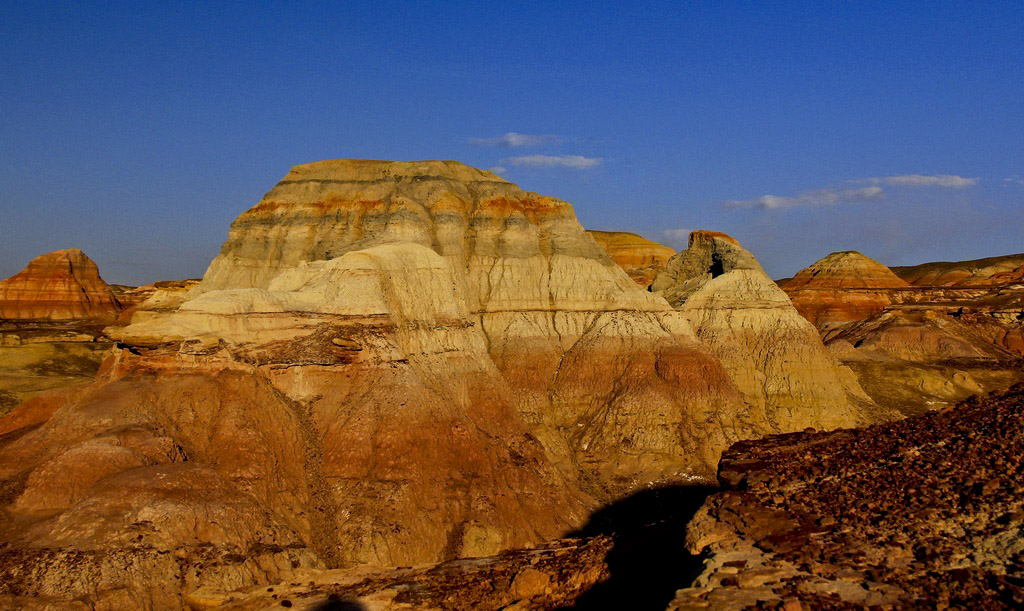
61 285
641 258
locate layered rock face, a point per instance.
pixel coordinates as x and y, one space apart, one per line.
841 288
641 258
572 337
914 347
388 364
927 512
774 356
61 285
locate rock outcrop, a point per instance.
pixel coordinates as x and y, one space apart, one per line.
927 512
641 258
610 379
841 288
773 355
61 285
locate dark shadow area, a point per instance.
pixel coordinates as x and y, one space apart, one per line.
335 603
648 561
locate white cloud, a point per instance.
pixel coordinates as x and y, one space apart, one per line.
679 233
578 162
1015 180
512 139
946 181
498 169
677 236
821 197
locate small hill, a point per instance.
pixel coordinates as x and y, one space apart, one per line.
61 285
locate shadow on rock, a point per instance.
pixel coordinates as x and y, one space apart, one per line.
340 604
649 561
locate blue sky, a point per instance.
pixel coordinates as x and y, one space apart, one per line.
138 131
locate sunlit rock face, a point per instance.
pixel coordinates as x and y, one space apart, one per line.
389 364
773 355
639 257
574 340
61 285
841 288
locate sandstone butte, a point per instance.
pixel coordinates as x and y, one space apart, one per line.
61 285
641 258
388 364
915 347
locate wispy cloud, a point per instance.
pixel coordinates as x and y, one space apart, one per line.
821 197
682 234
677 238
578 162
946 181
1017 180
498 169
512 139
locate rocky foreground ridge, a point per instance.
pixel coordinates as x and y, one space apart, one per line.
389 364
927 512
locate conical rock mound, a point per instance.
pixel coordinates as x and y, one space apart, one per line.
61 285
841 288
846 270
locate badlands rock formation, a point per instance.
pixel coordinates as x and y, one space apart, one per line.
841 288
610 379
61 285
927 512
388 364
641 258
774 356
915 347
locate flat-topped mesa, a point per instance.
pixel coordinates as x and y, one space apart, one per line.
641 258
841 288
61 285
483 225
772 354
